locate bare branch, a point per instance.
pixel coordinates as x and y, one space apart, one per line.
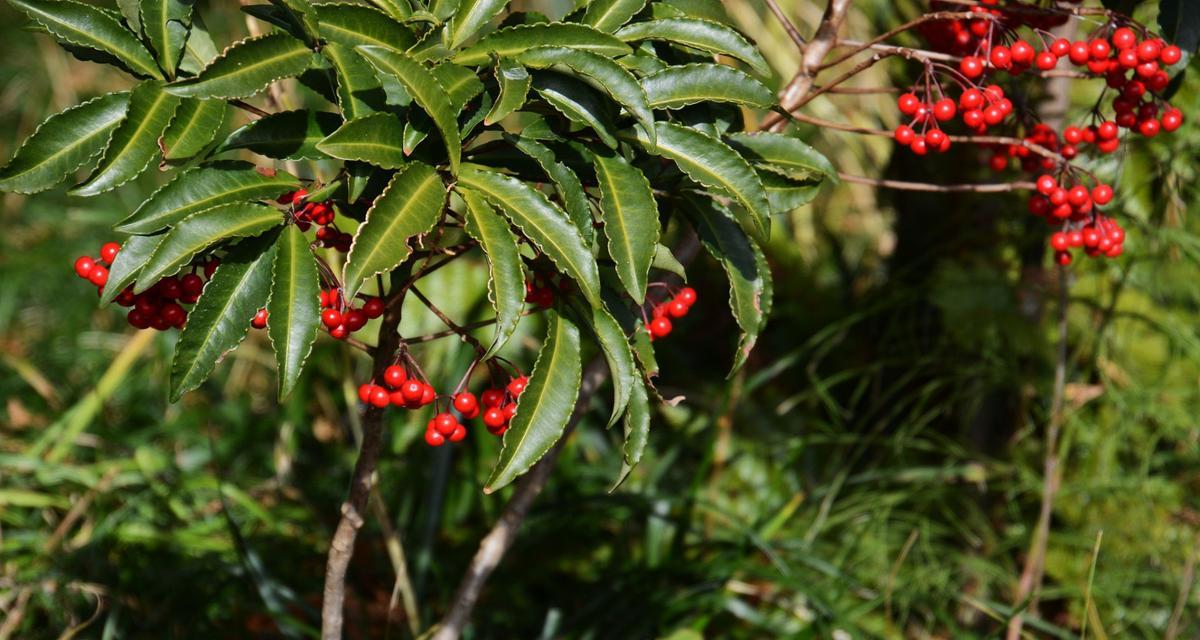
788 25
1002 187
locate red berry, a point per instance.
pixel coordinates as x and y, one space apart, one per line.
1060 47
1073 135
973 118
173 314
510 411
428 395
210 267
1124 38
517 386
936 138
1080 53
660 328
99 274
191 284
494 417
1062 257
1022 52
1102 194
355 319
364 392
331 318
993 115
83 266
1172 120
465 402
908 104
1171 55
339 332
687 295
459 433
1107 130
919 146
971 67
945 109
109 251
492 397
1148 128
260 319
677 309
412 390
1148 51
433 438
1046 61
394 376
1078 196
380 397
1001 57
373 307
1046 184
1059 241
445 423
138 319
904 135
971 99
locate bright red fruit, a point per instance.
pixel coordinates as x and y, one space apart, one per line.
394 376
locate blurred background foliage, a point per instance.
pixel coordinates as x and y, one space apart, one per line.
874 473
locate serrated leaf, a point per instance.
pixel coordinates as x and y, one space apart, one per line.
304 15
545 406
608 15
195 125
202 230
506 286
630 217
637 431
134 255
359 92
132 13
426 92
511 41
247 67
643 348
699 34
287 135
643 62
443 9
546 225
749 284
601 73
410 206
514 81
715 165
166 23
615 347
398 9
198 49
461 84
352 25
711 10
680 86
375 139
221 318
785 194
579 103
782 154
63 143
134 144
203 187
566 184
91 27
471 16
294 310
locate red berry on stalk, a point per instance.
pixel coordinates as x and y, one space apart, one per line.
433 438
1124 38
517 386
908 104
1062 257
260 319
394 376
945 109
510 410
1171 55
355 319
445 423
971 99
660 328
494 417
1172 120
971 67
687 295
1046 61
1046 184
331 318
380 397
459 433
339 332
919 146
465 402
373 307
99 275
1102 194
1060 47
109 251
936 138
492 397
1073 135
677 309
1148 51
1078 196
412 391
191 284
138 319
83 266
973 118
428 394
1059 241
904 135
1001 57
1022 52
364 392
1148 128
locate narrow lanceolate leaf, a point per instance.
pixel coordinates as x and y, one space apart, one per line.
680 86
398 9
579 103
87 26
295 307
353 25
472 15
132 12
134 144
566 184
514 81
426 92
785 194
63 143
221 317
247 67
697 34
637 431
202 230
506 286
607 15
443 9
600 72
199 49
134 255
287 135
666 261
303 14
204 187
784 155
514 40
409 206
461 84
617 354
358 90
630 217
715 165
165 23
196 124
749 280
546 404
542 222
375 139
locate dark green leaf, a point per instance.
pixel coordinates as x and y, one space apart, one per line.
785 194
546 404
295 307
398 9
247 67
579 103
665 260
697 34
680 86
461 84
607 15
566 184
304 15
443 9
506 286
637 431
617 354
630 217
63 143
199 49
287 135
375 139
511 41
91 27
202 230
1180 22
134 255
352 25
782 154
166 23
711 10
132 12
196 124
134 144
410 206
359 92
514 81
471 16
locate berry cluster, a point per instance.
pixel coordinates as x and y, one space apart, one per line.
979 108
342 318
677 307
305 214
965 36
541 289
1073 207
160 306
400 388
95 270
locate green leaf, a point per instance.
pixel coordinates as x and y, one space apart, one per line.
637 431
542 222
203 187
461 84
199 49
221 318
294 310
545 406
785 194
247 67
91 27
443 9
353 25
359 92
398 9
607 15
514 80
202 230
566 184
715 165
579 103
134 255
410 206
287 135
617 354
704 35
1180 22
472 15
665 260
601 73
132 13
304 15
749 280
426 92
630 217
134 144
196 124
782 154
63 143
511 41
680 86
375 139
506 286
166 23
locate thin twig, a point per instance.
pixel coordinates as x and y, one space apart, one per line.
810 63
246 106
466 327
452 325
859 47
788 25
1001 187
